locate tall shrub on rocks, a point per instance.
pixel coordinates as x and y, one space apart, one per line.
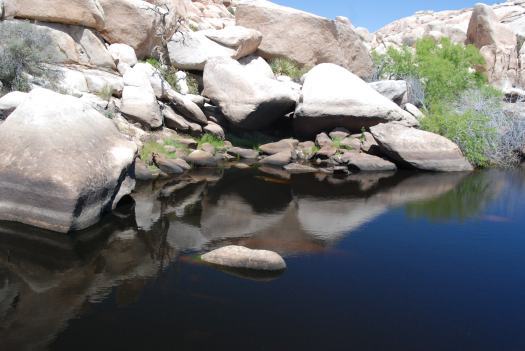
459 103
24 52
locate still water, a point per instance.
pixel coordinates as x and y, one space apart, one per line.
405 261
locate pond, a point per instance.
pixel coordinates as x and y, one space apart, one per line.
404 261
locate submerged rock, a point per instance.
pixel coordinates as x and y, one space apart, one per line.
63 165
244 258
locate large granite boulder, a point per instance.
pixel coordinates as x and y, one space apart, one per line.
245 41
419 149
63 165
138 99
334 97
303 37
498 45
86 13
247 99
244 258
131 22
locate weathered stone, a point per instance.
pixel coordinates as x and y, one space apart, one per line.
243 153
86 13
326 151
279 159
313 39
123 53
339 133
393 90
244 258
167 165
63 164
173 120
334 97
248 100
139 101
201 158
131 22
192 50
279 146
414 111
214 129
323 139
419 149
297 168
367 163
142 172
185 106
257 65
245 41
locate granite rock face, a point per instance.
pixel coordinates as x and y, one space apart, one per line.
63 165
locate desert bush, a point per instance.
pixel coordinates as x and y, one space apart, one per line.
285 67
444 69
24 52
211 139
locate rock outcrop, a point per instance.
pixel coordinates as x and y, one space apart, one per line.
419 149
334 97
305 38
248 100
88 13
497 43
63 165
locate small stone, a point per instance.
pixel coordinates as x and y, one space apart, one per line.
280 146
339 133
208 148
142 172
297 168
201 158
326 151
323 139
367 163
167 165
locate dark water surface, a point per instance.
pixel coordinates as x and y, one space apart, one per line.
402 261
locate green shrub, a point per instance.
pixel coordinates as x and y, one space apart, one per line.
24 51
211 139
193 84
445 68
285 67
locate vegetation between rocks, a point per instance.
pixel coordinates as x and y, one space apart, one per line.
24 52
457 99
285 67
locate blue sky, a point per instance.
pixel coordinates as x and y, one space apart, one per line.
374 14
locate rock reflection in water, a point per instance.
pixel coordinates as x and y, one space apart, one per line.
47 279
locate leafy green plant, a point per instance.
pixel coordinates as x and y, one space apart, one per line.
285 67
24 52
193 84
211 139
106 93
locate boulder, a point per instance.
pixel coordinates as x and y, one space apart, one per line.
99 81
394 90
131 22
279 146
245 41
279 159
257 65
498 45
63 165
248 154
367 163
9 102
123 53
173 120
185 106
414 111
419 149
88 13
167 165
304 38
244 258
214 129
139 101
334 97
142 172
248 100
191 50
201 158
